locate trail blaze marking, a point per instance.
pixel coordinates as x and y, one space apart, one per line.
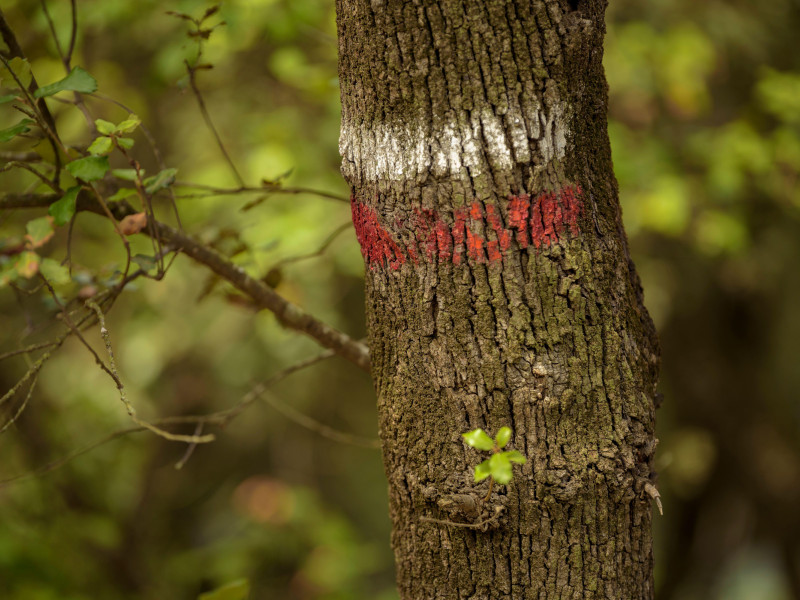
476 233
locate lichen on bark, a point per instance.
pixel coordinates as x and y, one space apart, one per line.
465 107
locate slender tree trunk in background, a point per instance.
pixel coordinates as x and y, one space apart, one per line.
499 292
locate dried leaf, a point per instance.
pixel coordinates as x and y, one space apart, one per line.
87 291
133 223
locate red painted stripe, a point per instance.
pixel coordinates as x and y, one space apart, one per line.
542 221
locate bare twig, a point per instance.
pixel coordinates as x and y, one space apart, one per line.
27 167
189 449
173 437
36 366
27 350
209 123
21 408
52 466
73 35
53 33
227 415
217 419
320 428
31 373
319 252
268 189
260 391
66 318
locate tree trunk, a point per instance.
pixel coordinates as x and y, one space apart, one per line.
500 292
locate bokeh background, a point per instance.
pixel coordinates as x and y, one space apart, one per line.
705 129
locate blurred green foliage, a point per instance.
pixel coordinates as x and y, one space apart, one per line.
705 131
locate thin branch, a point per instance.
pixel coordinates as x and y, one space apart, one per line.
267 189
58 463
173 437
218 419
33 369
66 59
9 38
73 35
31 373
290 315
189 449
53 33
27 350
320 428
27 167
209 123
319 252
225 416
259 391
23 405
65 317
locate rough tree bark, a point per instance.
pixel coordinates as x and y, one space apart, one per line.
500 292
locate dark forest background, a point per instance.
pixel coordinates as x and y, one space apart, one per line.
705 129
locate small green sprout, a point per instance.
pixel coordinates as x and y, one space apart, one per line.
498 466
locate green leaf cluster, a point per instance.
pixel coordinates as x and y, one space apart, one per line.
498 466
112 135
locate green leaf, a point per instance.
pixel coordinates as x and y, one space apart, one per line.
236 590
515 456
145 262
129 124
500 468
503 437
77 81
27 264
39 231
126 174
8 98
122 193
8 272
62 209
19 67
15 130
482 471
126 143
160 180
477 438
90 168
101 146
54 272
105 127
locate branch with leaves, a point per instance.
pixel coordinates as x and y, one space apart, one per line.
71 180
99 189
